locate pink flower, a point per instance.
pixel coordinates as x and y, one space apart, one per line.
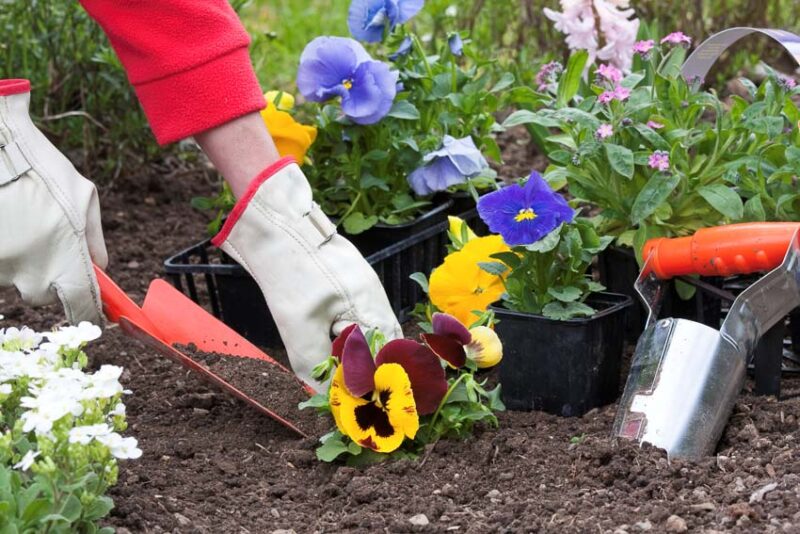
548 75
643 48
610 73
604 131
654 125
659 160
618 93
787 83
621 93
677 38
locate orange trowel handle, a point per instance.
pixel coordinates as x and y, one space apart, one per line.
722 250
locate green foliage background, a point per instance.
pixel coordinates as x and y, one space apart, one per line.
83 102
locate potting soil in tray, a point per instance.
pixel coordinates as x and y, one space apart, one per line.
265 383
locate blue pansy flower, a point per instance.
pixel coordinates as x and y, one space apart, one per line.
368 19
456 44
402 50
333 67
523 215
454 163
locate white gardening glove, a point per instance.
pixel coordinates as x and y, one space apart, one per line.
315 281
49 216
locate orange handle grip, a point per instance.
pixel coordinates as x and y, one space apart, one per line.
722 250
116 303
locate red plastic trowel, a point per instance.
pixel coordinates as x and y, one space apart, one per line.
168 319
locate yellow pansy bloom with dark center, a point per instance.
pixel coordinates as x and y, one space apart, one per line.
526 214
382 418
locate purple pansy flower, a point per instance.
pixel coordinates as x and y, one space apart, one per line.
456 44
677 38
659 160
338 66
368 19
643 48
402 50
454 163
609 73
523 215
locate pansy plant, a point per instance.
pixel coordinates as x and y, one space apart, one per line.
396 397
551 250
436 133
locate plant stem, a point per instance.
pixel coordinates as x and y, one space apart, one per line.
444 400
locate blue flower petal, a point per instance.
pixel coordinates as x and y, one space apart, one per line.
456 45
464 155
407 9
436 176
402 50
372 94
367 19
325 63
523 216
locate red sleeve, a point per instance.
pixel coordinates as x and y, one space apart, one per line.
187 61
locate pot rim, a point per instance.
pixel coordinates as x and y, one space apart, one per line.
622 303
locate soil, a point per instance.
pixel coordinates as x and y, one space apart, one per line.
264 382
213 465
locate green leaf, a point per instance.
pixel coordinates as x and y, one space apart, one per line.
672 65
653 194
561 311
621 159
723 199
333 446
202 203
421 280
685 291
34 509
754 210
509 258
493 267
565 294
357 222
571 79
505 81
547 243
72 508
99 508
652 137
317 401
404 110
522 116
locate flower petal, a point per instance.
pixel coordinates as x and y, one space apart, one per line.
399 403
372 94
338 344
447 325
447 349
358 365
325 63
485 349
424 369
408 8
335 397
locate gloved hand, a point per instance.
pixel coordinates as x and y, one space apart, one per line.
315 281
49 216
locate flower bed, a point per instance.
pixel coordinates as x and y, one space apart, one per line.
211 465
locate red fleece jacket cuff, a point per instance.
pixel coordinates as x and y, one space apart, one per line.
189 102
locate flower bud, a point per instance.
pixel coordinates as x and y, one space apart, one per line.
485 349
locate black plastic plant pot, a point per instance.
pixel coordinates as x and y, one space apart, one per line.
563 367
382 235
618 270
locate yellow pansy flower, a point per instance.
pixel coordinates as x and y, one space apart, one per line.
459 286
291 138
285 102
485 349
386 419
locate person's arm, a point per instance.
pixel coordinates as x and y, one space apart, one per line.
189 64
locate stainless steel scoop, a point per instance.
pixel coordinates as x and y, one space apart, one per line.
685 376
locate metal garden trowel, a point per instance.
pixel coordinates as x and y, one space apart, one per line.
685 376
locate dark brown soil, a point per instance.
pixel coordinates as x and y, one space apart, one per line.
266 383
212 465
520 155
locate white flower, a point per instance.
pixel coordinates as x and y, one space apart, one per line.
19 339
104 383
27 460
121 448
119 409
75 336
451 10
85 434
6 389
